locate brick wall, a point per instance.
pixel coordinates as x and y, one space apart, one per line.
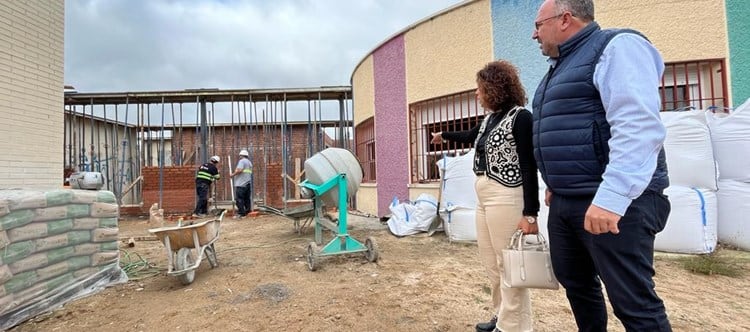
275 186
178 188
31 94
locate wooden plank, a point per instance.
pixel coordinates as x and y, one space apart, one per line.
130 187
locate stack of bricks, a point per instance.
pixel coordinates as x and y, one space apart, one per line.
178 188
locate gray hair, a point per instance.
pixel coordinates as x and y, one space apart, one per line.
582 9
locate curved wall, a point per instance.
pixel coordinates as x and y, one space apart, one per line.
364 95
444 54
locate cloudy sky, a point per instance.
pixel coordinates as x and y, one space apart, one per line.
145 45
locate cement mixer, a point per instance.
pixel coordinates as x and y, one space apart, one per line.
333 175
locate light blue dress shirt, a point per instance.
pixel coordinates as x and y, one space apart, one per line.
628 78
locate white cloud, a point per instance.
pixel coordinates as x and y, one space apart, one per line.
136 45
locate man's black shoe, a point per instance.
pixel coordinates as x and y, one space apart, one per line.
487 326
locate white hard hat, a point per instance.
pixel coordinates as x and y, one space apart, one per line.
244 153
215 159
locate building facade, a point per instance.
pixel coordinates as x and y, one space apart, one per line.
422 79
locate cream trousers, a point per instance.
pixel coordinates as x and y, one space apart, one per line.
499 209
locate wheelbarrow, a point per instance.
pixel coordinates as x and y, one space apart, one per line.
186 245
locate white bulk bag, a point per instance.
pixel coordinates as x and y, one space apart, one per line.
690 156
734 212
411 218
458 179
692 223
730 135
459 222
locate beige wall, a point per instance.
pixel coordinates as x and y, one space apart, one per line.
367 195
367 198
31 94
673 26
462 36
363 92
417 189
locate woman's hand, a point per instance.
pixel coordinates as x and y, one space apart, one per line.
526 227
437 138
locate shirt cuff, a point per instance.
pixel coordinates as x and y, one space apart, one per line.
611 201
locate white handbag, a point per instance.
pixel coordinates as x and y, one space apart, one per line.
528 265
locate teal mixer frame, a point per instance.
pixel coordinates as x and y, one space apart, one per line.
342 243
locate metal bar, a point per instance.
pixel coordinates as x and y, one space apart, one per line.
116 146
161 158
106 148
91 146
181 151
284 155
700 85
724 90
204 135
176 160
342 144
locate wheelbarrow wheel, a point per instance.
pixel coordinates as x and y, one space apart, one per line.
372 249
312 252
211 255
184 260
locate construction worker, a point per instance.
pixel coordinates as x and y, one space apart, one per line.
207 174
243 185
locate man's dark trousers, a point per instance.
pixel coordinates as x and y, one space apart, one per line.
244 197
201 189
624 262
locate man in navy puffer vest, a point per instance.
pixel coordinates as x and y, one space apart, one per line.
598 144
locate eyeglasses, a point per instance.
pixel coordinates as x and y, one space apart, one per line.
538 24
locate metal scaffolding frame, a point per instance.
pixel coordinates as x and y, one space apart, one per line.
224 122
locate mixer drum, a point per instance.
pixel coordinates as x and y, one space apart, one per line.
329 163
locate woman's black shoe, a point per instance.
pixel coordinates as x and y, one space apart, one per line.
487 326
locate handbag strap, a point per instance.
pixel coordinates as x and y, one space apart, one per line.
517 242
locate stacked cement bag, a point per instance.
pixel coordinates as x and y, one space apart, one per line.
730 135
692 224
54 247
458 198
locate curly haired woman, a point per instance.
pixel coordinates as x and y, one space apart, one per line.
506 185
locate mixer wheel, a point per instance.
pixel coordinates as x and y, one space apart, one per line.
372 249
312 252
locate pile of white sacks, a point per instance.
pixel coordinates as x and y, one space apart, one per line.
457 204
709 173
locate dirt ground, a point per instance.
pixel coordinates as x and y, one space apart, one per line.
419 283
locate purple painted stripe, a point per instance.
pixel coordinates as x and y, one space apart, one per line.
391 123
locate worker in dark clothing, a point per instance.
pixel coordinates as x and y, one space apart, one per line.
207 174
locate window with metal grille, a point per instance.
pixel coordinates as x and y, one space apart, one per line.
456 112
700 84
365 149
